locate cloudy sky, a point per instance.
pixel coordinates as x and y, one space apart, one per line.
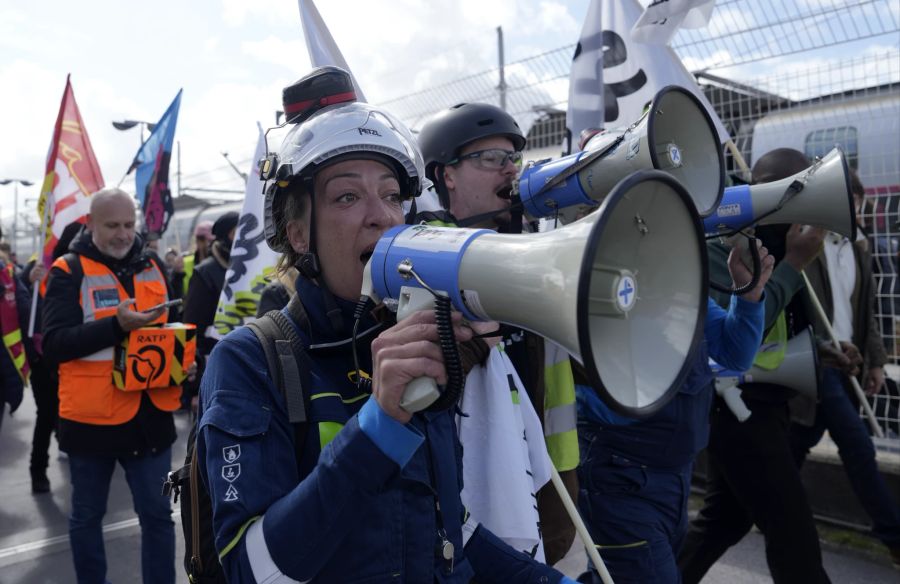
232 57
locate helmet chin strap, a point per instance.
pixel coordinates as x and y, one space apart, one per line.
308 266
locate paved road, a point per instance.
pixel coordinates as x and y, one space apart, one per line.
34 547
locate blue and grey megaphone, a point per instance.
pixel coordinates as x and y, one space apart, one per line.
600 287
675 135
819 195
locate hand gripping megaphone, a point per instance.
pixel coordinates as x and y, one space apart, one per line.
798 371
623 290
675 134
819 195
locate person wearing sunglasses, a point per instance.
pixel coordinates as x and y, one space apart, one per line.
472 153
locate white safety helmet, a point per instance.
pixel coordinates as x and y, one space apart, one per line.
333 132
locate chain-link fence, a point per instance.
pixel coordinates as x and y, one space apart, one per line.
802 74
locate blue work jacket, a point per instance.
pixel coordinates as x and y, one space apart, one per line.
361 505
672 437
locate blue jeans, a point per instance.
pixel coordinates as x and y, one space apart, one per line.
838 414
91 476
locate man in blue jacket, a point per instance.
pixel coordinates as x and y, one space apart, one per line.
635 475
373 496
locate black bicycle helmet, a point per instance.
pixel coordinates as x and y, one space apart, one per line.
442 137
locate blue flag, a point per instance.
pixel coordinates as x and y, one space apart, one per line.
152 176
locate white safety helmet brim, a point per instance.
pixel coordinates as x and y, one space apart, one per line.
337 131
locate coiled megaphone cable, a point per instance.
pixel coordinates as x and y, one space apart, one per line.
443 316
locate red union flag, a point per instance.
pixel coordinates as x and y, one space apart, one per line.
72 174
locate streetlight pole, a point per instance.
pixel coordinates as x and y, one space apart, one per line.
16 182
128 124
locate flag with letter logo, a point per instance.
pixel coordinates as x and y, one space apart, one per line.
252 261
613 77
662 19
71 176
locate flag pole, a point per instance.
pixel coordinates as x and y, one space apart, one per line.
820 312
580 527
37 285
738 158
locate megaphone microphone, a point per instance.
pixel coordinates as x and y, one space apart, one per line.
676 134
605 287
819 195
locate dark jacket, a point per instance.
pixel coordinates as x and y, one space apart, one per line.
67 337
362 505
783 291
866 332
200 304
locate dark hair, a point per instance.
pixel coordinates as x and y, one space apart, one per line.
295 207
778 164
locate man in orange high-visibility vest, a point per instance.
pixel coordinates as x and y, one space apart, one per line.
98 292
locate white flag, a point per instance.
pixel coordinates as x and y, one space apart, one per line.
586 79
631 73
252 261
323 51
662 19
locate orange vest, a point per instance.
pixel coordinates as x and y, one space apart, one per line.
87 393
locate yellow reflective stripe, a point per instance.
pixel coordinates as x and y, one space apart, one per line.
771 353
188 272
563 450
327 432
19 361
515 396
559 385
621 547
351 400
10 339
439 223
238 537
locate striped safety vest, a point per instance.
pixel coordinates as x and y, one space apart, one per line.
87 393
9 322
560 415
771 352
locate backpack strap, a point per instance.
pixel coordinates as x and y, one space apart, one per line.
287 361
196 567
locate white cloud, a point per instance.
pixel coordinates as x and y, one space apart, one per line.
290 54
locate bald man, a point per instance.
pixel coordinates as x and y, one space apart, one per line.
96 294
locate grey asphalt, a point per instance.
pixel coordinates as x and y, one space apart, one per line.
34 547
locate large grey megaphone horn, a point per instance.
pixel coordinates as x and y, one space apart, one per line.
798 371
675 134
604 287
819 195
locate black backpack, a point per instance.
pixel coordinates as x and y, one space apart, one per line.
286 359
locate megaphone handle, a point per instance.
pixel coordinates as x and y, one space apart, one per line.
754 280
732 397
419 394
580 527
860 395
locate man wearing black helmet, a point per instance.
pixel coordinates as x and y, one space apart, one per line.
472 154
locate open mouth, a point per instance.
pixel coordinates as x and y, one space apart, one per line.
364 256
505 193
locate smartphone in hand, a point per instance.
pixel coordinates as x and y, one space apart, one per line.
168 304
